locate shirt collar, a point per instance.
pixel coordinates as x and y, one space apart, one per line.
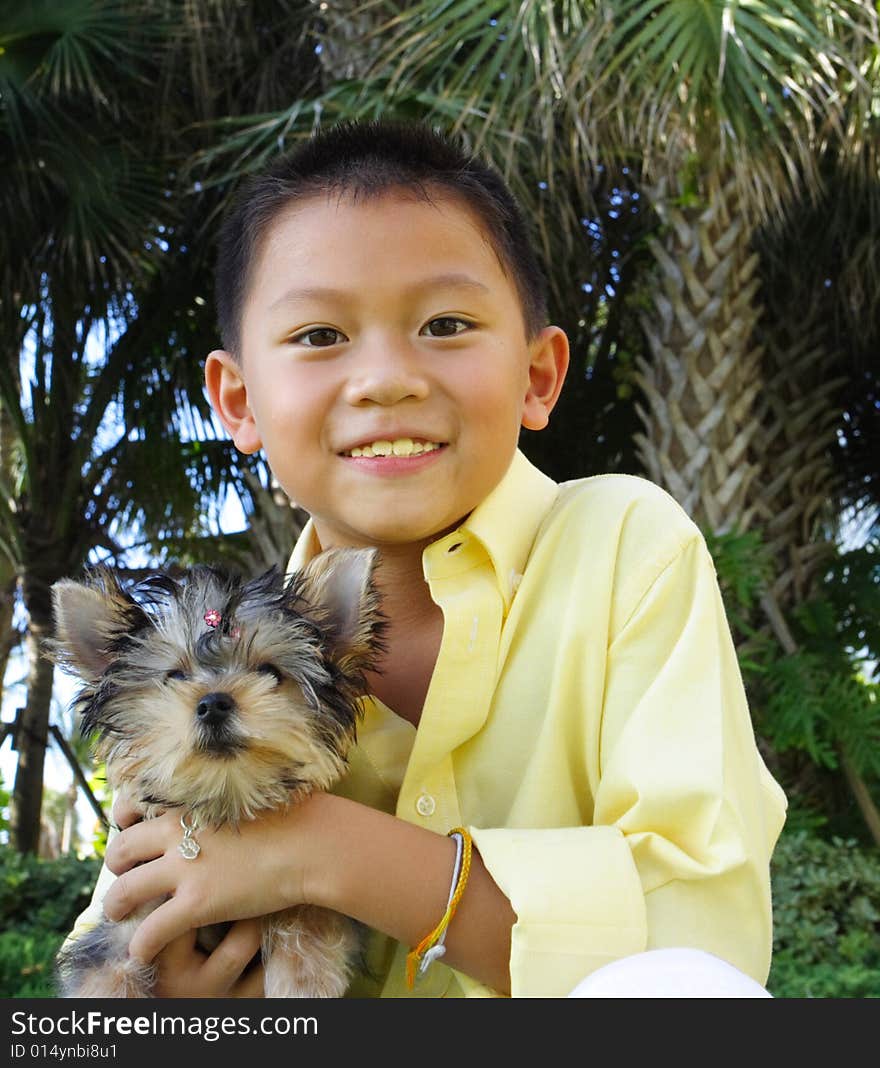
307 547
505 525
506 522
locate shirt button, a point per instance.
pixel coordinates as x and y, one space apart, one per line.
425 805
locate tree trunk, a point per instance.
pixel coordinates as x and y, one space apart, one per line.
33 729
349 44
703 377
9 636
859 790
798 412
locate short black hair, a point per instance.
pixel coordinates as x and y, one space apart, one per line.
367 159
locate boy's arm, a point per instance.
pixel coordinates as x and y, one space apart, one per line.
395 877
685 815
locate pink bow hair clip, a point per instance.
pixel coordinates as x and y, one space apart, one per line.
215 619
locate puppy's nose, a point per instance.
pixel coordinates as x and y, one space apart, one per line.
215 708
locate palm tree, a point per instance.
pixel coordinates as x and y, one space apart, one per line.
76 204
820 270
105 434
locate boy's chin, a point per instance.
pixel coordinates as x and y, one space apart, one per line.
397 537
388 531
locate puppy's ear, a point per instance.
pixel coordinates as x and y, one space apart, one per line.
339 586
92 620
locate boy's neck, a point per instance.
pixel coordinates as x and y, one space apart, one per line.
399 577
413 636
405 596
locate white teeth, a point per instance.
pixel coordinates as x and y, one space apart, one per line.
398 447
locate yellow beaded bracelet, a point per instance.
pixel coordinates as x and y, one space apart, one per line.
431 946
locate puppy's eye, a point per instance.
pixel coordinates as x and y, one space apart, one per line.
270 669
176 674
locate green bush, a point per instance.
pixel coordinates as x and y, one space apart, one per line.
826 914
39 901
27 962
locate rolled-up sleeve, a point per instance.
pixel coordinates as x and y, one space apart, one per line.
684 815
577 897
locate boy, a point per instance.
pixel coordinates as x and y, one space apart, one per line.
559 679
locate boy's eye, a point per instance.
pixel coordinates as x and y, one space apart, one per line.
320 338
446 326
270 669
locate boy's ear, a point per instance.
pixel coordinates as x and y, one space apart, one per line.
228 394
549 363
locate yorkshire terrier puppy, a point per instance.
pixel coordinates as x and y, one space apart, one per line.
221 699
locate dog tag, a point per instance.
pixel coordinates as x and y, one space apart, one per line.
189 848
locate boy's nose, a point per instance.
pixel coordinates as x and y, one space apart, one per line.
385 377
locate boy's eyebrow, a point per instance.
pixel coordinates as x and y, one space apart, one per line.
439 281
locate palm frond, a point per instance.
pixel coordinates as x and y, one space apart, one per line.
64 48
759 85
74 80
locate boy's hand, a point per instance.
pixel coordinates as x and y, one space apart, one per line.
240 873
185 971
124 813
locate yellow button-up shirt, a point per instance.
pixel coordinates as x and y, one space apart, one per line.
586 720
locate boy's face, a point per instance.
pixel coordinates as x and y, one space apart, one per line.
388 320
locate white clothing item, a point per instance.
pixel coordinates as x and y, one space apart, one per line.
669 973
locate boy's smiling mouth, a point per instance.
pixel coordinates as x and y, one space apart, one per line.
393 447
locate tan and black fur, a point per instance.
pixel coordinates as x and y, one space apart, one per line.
222 722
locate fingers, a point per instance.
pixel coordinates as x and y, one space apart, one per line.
172 920
177 956
185 971
140 842
180 964
124 813
251 984
135 888
224 968
169 921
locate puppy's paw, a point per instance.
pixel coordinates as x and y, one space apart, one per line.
308 953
